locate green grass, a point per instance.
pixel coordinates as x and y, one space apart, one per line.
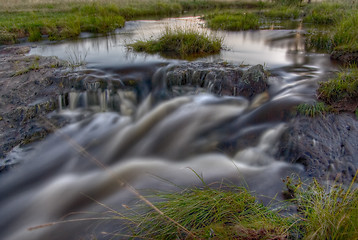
234 22
341 33
346 34
222 5
181 43
343 87
211 214
313 110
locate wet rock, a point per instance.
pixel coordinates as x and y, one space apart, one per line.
327 146
219 78
29 89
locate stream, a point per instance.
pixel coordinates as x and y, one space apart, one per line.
133 129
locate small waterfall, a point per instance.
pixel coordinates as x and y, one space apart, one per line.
154 140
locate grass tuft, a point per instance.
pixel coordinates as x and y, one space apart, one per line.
180 42
212 214
313 110
327 213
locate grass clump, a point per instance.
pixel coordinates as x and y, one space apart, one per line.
313 110
234 22
212 214
327 213
343 87
181 43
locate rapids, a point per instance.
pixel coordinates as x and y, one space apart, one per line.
149 137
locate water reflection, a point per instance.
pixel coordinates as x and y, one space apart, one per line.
273 48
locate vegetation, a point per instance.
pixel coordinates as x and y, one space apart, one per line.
341 33
346 35
180 42
234 22
313 109
343 86
324 13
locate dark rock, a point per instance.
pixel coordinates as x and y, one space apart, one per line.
326 146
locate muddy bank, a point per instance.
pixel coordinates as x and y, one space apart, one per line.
29 89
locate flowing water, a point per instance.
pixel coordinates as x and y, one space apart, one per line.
150 137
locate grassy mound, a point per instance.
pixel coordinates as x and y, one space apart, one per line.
181 43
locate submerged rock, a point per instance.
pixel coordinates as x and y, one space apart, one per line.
219 78
327 146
